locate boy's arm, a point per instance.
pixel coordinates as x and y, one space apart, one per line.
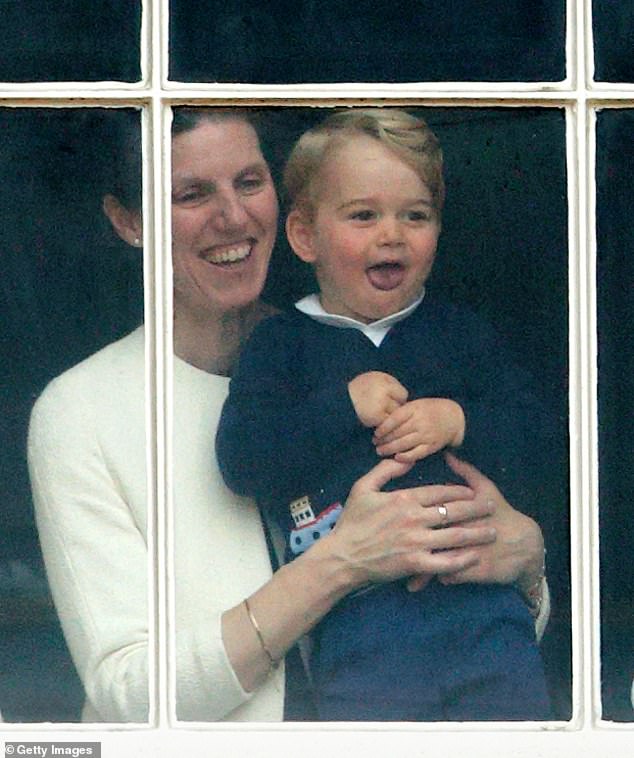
510 433
275 430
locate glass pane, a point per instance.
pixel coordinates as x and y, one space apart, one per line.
69 288
503 253
615 237
613 27
367 41
70 40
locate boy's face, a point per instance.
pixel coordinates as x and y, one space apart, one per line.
374 231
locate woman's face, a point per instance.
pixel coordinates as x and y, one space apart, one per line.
224 217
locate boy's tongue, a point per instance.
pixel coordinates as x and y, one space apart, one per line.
386 276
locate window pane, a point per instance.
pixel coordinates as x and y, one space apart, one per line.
368 41
503 253
615 235
613 26
69 288
69 40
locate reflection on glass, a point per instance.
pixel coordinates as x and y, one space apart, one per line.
613 29
615 237
503 253
70 288
368 41
70 40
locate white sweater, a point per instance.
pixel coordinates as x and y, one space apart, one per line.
87 458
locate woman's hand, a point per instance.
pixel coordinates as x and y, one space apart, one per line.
517 555
382 536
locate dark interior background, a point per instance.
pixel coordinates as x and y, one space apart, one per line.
613 28
615 237
70 40
285 41
70 287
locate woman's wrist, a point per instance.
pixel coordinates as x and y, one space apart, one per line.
531 580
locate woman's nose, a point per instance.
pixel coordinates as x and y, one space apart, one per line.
229 211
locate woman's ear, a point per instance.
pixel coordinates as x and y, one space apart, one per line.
300 234
126 223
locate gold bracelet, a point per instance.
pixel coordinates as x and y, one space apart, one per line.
273 664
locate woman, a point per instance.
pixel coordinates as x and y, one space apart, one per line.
87 452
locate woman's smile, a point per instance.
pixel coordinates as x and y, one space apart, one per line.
224 217
228 255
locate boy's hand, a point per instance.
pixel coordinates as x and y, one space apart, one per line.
419 428
375 395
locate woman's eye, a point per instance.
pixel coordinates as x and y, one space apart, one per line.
250 184
189 196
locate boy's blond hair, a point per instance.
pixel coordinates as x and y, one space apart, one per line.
406 135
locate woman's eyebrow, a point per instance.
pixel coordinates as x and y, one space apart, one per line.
259 167
184 180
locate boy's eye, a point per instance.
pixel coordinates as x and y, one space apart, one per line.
363 215
418 215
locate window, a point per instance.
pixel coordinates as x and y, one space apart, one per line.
533 105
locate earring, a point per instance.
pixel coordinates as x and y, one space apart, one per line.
137 242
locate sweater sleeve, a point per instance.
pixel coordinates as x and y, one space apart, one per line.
275 427
93 549
510 433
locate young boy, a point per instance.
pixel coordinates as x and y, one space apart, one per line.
373 366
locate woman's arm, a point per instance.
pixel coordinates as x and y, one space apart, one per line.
517 555
379 537
95 551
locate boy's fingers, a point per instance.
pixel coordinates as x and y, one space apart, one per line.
399 393
407 442
416 454
397 417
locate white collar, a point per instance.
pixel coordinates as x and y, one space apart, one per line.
375 331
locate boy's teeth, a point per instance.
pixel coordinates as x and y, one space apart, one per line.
230 256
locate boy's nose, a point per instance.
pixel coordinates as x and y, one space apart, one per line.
390 231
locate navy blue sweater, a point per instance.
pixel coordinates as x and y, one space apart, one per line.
288 428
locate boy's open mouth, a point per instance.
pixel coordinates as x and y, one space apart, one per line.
386 276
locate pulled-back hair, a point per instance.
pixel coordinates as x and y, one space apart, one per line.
124 173
404 134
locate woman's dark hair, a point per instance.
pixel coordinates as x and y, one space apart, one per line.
124 175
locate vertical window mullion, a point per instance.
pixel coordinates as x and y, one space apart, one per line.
156 15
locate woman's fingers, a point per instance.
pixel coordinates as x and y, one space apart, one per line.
472 476
379 476
460 536
471 512
432 494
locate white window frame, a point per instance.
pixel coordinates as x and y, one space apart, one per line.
587 734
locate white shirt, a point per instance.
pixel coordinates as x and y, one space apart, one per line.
376 331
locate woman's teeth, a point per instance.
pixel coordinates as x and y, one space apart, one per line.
229 256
